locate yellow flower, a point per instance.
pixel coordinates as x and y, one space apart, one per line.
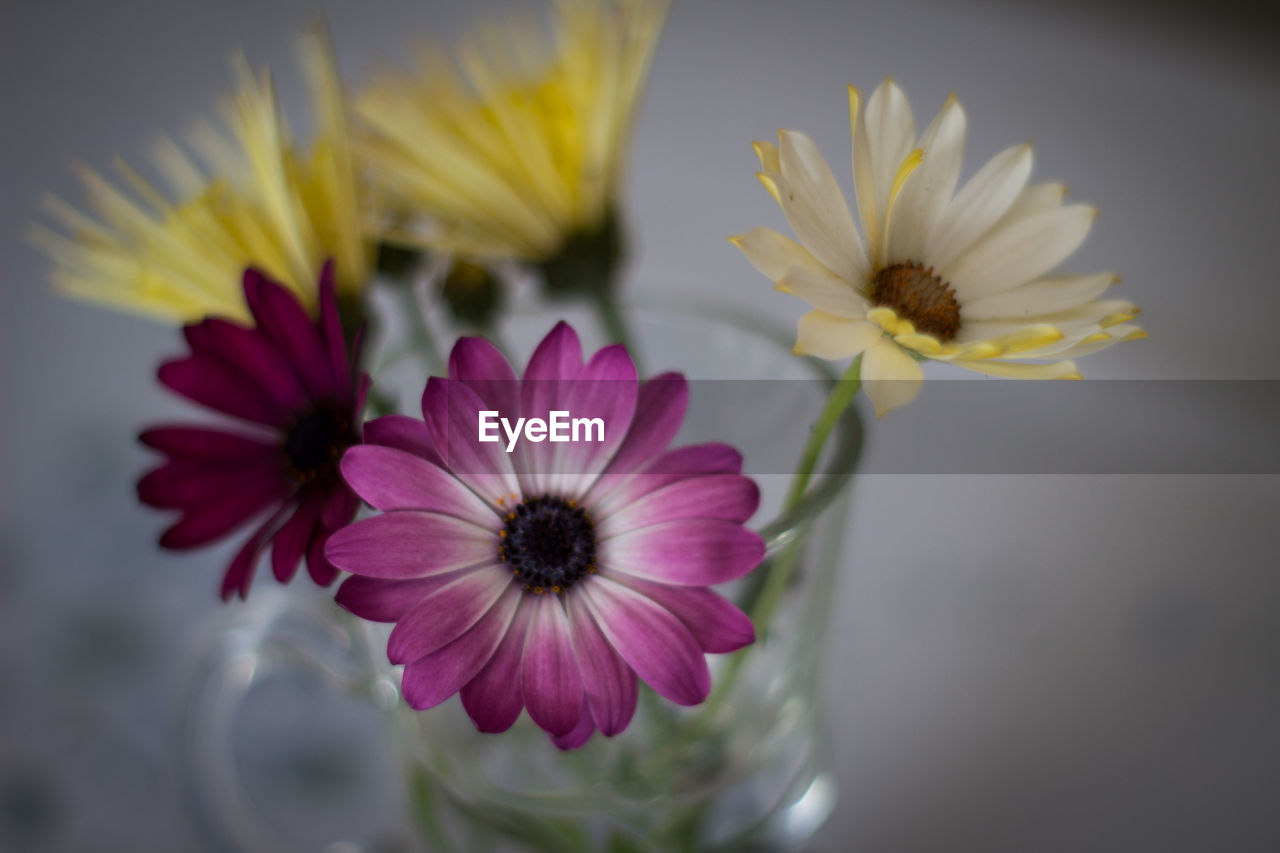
519 146
270 206
962 277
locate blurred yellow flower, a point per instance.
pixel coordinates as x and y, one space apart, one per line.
514 147
964 277
268 205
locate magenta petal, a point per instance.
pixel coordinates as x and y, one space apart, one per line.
205 443
660 409
731 497
655 643
203 523
402 433
581 733
410 544
479 365
451 411
391 479
185 482
614 490
492 699
381 600
217 385
254 356
280 316
331 329
610 684
549 677
339 508
691 551
716 623
446 613
290 544
430 680
322 572
239 575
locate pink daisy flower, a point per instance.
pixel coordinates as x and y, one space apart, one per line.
290 383
548 578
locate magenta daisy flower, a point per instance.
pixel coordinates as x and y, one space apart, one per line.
550 577
289 380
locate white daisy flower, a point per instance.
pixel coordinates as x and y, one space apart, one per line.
962 277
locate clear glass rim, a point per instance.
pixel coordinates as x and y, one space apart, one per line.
845 446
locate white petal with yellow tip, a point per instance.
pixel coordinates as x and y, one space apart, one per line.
891 377
834 338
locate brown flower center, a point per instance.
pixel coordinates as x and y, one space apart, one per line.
916 294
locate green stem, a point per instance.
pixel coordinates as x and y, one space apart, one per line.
762 599
420 335
379 404
775 584
615 325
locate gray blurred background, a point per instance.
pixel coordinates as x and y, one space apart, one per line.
1020 662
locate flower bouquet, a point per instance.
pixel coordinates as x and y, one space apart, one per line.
593 616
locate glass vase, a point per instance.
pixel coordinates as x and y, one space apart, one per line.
745 770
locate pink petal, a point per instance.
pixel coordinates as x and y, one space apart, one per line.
655 643
280 316
430 680
451 411
391 479
710 458
660 409
614 490
549 678
410 544
558 356
215 384
715 622
290 543
610 684
731 497
691 551
381 600
322 571
205 443
547 382
402 433
581 733
445 614
478 364
492 699
606 389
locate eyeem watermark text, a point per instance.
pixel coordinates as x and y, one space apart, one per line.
558 428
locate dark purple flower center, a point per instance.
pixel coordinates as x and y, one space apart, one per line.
549 543
316 441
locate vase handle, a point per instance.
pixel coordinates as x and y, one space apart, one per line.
279 632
